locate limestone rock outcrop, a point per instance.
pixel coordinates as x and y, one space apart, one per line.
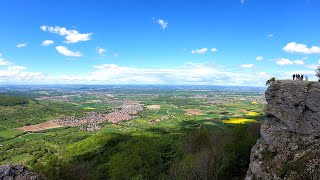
16 172
289 147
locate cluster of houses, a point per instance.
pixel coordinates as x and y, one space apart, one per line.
89 123
127 112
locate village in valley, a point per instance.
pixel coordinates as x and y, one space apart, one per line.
121 105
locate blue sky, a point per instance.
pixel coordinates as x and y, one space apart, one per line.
218 42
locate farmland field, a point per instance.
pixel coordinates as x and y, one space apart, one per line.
75 122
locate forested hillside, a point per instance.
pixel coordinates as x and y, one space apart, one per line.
12 100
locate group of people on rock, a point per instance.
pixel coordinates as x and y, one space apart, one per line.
299 77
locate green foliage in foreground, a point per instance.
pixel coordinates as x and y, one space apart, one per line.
200 154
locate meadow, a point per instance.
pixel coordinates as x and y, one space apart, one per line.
182 130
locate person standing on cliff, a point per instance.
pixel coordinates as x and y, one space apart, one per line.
302 77
293 76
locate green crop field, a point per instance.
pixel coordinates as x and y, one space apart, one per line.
169 130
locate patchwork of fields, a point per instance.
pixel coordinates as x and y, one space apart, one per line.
27 133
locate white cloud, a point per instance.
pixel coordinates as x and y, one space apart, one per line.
71 36
270 35
101 51
248 66
191 73
14 73
284 62
298 62
47 42
264 74
3 62
214 49
293 47
65 51
259 58
43 28
313 66
19 74
162 23
21 45
199 51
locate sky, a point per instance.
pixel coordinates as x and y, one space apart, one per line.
192 42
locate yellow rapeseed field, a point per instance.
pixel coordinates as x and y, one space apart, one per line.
253 114
238 121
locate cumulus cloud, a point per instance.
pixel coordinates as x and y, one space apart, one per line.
162 23
259 58
298 62
247 66
71 36
190 73
19 74
10 73
3 62
199 51
21 45
284 62
214 49
65 51
294 47
101 51
47 42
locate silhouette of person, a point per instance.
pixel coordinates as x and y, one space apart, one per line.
298 76
302 77
293 76
306 77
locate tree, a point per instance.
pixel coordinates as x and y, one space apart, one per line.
318 73
270 81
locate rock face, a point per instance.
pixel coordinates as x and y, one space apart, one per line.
16 172
289 147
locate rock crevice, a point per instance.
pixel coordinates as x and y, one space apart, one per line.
289 147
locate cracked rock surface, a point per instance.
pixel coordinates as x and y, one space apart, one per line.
16 172
289 147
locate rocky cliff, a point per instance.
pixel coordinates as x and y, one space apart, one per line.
16 172
289 147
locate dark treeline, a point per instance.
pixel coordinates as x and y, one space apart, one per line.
12 101
199 154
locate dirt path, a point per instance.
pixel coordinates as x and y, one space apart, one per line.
40 127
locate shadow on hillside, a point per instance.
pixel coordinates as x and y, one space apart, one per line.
195 150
